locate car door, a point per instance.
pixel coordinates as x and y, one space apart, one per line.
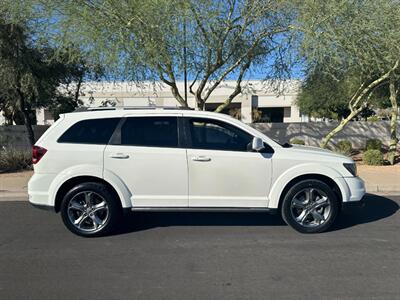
145 153
223 170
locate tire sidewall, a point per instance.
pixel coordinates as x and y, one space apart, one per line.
286 209
114 208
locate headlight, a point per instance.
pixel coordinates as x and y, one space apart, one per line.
351 167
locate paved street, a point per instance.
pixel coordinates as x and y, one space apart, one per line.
201 256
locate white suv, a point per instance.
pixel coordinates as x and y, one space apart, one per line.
92 166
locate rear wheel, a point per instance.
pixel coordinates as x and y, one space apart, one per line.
310 206
90 209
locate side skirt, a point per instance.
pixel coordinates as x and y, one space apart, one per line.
206 209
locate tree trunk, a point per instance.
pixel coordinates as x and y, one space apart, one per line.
201 105
393 123
359 100
340 127
27 120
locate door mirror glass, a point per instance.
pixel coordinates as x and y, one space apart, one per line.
257 144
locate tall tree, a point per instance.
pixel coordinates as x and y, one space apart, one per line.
161 39
351 36
31 75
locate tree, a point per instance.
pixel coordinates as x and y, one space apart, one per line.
17 65
31 75
322 97
361 37
147 40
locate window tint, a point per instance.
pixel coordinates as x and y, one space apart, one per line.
150 131
94 131
217 135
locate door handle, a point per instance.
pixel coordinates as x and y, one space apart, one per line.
201 158
119 155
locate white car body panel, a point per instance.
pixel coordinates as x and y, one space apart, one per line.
228 178
168 177
155 176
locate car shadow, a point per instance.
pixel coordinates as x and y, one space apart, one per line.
376 208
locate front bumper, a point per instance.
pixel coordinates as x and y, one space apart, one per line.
356 189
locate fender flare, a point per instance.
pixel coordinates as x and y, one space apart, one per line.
93 171
305 169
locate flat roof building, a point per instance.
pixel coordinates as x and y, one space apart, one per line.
260 101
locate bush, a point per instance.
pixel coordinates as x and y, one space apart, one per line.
373 157
15 160
344 147
296 141
373 118
373 144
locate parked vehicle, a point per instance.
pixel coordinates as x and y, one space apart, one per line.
92 166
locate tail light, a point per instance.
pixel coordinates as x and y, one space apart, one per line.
37 153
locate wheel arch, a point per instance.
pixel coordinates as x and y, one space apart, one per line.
291 177
74 181
86 173
325 179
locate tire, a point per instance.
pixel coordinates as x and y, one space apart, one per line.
310 206
90 209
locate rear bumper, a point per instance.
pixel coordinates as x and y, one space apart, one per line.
44 207
38 190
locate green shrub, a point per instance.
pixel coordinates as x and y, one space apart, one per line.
373 144
344 147
15 160
296 141
373 157
373 118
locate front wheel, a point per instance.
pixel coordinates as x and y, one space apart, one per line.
90 209
310 206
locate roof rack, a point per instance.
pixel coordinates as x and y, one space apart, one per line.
100 108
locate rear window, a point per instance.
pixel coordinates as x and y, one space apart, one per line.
94 131
150 132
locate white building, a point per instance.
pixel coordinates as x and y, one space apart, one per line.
275 104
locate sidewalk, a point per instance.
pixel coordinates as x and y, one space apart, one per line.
14 185
378 180
382 179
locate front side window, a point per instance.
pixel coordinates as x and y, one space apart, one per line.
217 135
150 132
94 131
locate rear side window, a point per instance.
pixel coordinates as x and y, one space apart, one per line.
94 131
150 132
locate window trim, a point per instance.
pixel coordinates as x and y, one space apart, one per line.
116 137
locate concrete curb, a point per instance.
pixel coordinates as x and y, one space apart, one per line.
392 189
13 196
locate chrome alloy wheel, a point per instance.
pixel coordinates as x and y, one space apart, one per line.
88 211
310 207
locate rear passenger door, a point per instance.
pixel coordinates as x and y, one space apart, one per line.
146 153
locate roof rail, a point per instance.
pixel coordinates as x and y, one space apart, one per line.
83 108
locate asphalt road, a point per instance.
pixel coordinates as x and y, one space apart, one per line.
202 256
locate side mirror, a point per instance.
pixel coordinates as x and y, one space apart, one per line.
257 144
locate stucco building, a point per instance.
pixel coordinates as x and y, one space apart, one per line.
273 103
